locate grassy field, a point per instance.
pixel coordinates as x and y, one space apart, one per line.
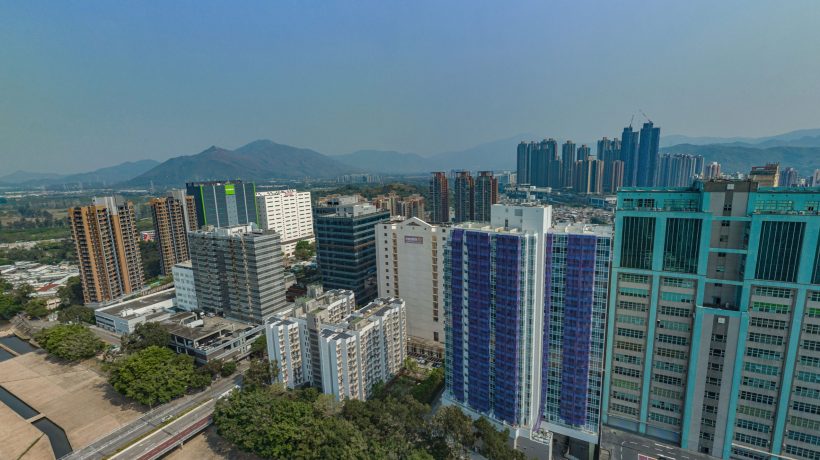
33 234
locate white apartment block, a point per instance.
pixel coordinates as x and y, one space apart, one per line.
324 343
288 213
410 265
185 289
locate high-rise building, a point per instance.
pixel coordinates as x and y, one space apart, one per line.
577 263
589 176
789 178
463 194
224 203
184 286
610 151
439 198
323 342
714 320
238 271
713 171
815 178
538 163
584 153
766 176
567 164
629 155
494 288
678 169
174 216
647 166
615 179
346 249
413 255
389 202
412 206
107 244
523 162
288 213
485 196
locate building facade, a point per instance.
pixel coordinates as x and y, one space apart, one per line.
324 342
290 214
766 176
174 215
185 286
646 173
679 169
463 196
224 203
107 244
577 263
485 196
714 328
346 249
238 272
494 288
413 255
412 206
439 198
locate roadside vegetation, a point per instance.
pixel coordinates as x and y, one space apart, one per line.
69 342
270 421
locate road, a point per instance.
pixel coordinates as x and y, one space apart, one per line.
170 435
627 446
111 443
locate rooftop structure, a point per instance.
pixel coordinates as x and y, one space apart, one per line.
123 317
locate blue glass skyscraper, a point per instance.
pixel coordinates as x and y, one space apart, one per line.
647 167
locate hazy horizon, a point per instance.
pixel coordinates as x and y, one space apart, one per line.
93 84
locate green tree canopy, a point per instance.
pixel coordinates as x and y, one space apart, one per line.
36 308
72 292
153 375
146 335
304 250
76 314
70 342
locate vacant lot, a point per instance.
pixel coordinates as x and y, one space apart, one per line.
74 396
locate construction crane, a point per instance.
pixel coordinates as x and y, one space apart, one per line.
645 115
631 119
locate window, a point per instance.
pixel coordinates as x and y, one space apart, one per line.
633 306
803 437
624 332
766 307
764 354
637 242
779 250
676 297
674 381
667 419
759 383
773 292
755 412
756 397
675 311
435 336
672 339
762 369
768 323
753 440
669 353
765 338
678 282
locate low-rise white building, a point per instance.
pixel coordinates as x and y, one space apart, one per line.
410 255
123 317
185 288
323 342
288 213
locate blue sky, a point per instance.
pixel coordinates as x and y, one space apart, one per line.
85 84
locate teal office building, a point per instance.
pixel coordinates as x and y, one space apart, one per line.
714 320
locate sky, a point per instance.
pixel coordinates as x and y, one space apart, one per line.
86 84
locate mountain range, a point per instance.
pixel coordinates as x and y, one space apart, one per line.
107 176
263 160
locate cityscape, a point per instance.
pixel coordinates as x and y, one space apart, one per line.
637 296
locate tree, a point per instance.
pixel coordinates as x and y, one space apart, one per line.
153 375
72 292
304 250
496 443
453 428
5 285
260 373
22 293
149 252
9 306
36 308
146 335
259 347
228 369
70 342
76 314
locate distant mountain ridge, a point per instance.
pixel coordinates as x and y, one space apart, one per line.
260 160
104 176
797 138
